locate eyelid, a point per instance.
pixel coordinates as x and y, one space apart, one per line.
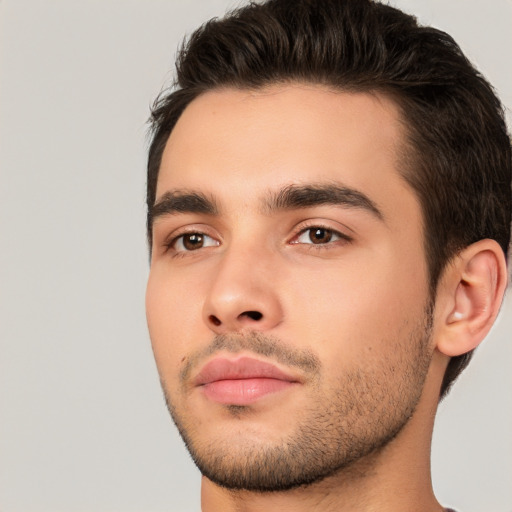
178 243
176 234
171 239
303 227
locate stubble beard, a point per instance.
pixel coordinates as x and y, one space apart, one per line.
346 424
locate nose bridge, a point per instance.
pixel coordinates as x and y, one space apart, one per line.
241 295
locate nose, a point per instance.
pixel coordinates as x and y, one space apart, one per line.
243 294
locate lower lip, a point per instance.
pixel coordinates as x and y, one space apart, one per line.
243 391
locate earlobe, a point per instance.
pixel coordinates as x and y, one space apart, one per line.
474 289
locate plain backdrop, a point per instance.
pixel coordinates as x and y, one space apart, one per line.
83 426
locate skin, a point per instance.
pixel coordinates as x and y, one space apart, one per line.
357 306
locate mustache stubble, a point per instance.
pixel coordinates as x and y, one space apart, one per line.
257 343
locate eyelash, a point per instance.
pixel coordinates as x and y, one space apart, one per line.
342 237
170 244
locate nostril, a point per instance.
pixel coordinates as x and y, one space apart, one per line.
214 320
254 315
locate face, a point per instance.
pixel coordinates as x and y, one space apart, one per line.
287 301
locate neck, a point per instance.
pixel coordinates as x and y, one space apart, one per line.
397 478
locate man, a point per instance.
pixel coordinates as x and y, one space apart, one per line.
329 212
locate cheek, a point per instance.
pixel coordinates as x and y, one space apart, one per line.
358 307
173 312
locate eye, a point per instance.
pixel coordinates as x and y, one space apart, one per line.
193 241
318 235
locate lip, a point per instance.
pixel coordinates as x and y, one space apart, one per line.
241 381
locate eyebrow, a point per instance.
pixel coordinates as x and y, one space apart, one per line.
307 196
292 197
175 202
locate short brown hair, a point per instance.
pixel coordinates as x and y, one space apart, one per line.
459 153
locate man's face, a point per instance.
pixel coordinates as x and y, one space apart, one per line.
287 301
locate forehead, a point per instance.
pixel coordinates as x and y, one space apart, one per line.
238 143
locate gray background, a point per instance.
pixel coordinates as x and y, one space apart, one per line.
83 426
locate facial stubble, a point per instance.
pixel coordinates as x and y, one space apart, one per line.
353 419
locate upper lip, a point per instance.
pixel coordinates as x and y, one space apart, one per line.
222 368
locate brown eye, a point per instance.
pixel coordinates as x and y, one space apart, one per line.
320 235
193 241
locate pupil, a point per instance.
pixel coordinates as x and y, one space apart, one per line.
320 235
193 241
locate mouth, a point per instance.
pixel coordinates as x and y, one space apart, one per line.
241 381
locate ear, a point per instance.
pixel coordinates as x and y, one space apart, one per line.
470 295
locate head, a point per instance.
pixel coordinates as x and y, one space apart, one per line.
451 150
457 155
